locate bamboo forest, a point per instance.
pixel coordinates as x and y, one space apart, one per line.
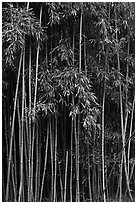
68 107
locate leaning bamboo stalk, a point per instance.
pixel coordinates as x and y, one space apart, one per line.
22 126
65 186
45 163
12 130
55 175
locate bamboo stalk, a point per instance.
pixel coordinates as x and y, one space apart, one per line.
103 117
26 162
45 163
29 158
80 39
34 110
78 192
103 134
26 124
22 126
131 174
12 130
73 43
89 181
55 175
131 123
15 165
26 145
85 60
71 160
65 186
76 143
13 182
61 185
6 135
19 121
37 164
52 170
